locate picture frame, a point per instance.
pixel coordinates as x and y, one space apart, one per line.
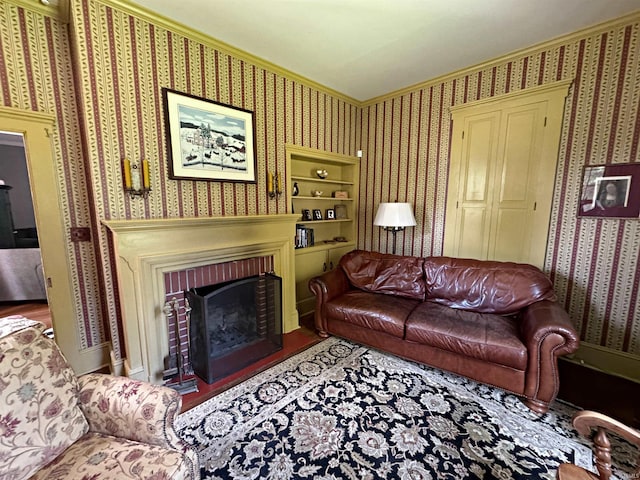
330 214
610 191
306 215
340 212
317 214
207 140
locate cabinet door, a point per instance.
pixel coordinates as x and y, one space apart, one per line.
503 161
475 193
308 265
335 254
515 183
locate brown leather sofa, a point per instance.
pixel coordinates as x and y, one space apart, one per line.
494 322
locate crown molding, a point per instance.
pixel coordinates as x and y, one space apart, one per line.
60 9
147 15
515 55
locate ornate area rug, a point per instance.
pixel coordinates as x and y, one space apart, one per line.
342 411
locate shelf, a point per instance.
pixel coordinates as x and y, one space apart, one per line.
319 246
301 197
341 220
343 175
319 180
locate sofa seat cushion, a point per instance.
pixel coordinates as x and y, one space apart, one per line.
40 416
382 273
486 337
485 286
382 313
102 457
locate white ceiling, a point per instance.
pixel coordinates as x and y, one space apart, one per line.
368 48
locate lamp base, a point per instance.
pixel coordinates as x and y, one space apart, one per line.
394 231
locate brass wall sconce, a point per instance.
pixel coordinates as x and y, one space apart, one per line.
136 178
274 185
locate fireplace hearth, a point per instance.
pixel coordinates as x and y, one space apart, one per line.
234 324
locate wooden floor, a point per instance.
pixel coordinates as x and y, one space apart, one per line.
34 310
592 389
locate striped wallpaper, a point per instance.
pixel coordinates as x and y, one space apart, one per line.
102 75
36 74
122 63
593 262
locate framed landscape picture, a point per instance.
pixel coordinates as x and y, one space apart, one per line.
207 140
610 191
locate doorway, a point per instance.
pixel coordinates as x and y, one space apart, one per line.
22 283
37 130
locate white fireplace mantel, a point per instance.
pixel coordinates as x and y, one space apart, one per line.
147 249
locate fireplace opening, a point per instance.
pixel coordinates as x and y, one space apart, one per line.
234 324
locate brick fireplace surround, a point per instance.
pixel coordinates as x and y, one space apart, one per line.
150 251
175 283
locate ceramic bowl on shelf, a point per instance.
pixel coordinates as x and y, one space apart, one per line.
322 173
316 193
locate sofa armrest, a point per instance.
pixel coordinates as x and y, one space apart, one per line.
127 408
548 333
326 287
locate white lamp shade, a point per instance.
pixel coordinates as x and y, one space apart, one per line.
394 215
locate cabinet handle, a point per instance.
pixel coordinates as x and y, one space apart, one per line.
330 265
324 267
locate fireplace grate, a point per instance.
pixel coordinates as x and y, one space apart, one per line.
234 324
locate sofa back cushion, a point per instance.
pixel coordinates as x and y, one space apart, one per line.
40 416
485 286
384 273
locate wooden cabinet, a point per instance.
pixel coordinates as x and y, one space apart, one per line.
503 163
7 234
311 262
333 237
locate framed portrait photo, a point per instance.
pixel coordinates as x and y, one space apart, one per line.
330 214
610 191
207 140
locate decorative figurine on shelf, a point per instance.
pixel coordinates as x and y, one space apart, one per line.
322 173
296 190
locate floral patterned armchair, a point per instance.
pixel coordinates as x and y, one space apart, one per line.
54 425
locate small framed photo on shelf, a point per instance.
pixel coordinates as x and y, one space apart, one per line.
330 214
306 215
340 212
317 214
340 194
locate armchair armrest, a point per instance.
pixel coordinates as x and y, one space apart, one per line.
127 408
547 332
326 287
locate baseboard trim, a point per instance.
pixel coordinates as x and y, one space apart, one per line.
116 365
606 360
